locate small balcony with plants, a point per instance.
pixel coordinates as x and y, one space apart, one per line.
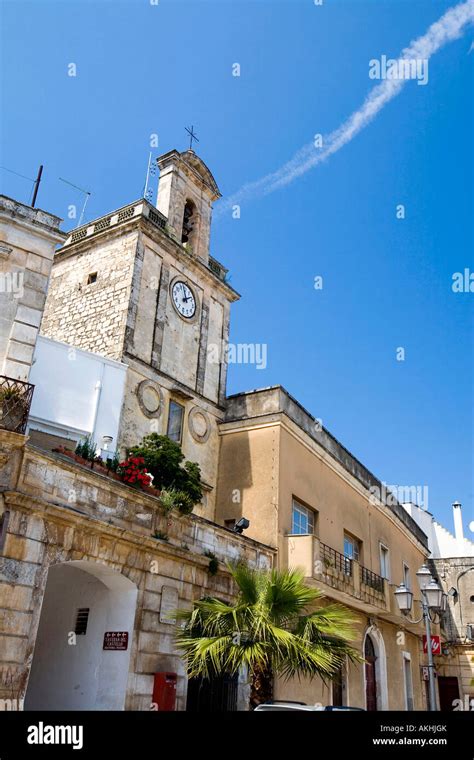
156 467
15 404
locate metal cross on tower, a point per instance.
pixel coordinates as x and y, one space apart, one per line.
192 137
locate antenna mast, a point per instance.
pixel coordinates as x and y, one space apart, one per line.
37 184
150 172
87 194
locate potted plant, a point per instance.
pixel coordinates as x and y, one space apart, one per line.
86 451
65 452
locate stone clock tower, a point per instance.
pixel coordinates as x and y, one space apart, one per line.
139 285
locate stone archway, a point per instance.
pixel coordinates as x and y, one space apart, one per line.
375 670
70 669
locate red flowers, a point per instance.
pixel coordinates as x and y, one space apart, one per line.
133 472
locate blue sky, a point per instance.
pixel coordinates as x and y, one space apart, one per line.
145 69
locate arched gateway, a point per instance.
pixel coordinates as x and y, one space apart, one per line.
375 670
75 665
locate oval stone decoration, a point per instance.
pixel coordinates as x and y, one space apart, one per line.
199 424
150 398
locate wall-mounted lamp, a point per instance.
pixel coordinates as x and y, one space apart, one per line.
241 525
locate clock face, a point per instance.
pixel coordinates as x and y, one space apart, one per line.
183 299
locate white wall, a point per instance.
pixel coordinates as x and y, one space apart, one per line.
76 392
441 542
81 676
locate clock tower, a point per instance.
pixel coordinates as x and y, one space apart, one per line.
139 285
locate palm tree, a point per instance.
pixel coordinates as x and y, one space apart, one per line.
273 629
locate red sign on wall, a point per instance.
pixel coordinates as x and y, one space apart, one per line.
116 641
435 645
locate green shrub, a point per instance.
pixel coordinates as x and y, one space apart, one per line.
113 462
167 499
164 460
213 567
184 502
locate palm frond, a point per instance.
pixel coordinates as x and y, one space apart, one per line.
284 634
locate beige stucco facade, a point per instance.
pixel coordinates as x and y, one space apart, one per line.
272 453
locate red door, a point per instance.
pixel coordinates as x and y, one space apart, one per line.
370 679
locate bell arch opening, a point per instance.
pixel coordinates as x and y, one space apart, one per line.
190 224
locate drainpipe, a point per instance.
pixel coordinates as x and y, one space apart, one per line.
98 388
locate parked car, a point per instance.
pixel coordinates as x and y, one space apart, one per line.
278 706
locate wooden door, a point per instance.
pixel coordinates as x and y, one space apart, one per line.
370 675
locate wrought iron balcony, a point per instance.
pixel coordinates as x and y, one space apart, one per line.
331 569
371 579
15 403
332 558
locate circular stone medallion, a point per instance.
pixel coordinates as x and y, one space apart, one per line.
150 398
199 424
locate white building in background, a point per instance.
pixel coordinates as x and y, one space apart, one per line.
441 542
77 394
452 564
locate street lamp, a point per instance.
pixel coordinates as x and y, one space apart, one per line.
424 577
404 598
432 598
434 595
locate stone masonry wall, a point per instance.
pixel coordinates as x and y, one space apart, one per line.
92 316
60 511
27 240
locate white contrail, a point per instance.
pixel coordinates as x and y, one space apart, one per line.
450 26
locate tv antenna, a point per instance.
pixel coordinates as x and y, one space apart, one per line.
150 172
87 194
36 182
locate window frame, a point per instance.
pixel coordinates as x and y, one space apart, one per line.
305 511
356 545
172 402
384 551
406 576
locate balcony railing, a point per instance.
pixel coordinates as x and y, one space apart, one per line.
332 558
15 403
217 268
331 568
371 579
